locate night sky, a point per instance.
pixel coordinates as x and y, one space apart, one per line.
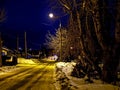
26 15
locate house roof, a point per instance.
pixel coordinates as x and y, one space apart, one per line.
6 49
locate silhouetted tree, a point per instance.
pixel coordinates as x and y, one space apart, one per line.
2 18
96 23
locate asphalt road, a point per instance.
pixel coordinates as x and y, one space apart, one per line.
29 77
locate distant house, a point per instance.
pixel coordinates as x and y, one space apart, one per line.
8 57
6 51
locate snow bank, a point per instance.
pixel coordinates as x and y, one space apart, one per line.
65 67
64 80
62 72
27 61
5 69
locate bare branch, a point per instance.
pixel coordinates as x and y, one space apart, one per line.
2 15
63 3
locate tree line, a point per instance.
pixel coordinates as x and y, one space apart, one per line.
93 34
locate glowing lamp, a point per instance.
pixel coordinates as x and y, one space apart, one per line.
51 15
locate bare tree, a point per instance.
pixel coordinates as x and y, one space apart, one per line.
0 50
96 23
2 15
54 42
105 36
2 18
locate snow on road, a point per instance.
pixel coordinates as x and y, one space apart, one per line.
29 77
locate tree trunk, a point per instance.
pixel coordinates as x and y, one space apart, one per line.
0 50
110 53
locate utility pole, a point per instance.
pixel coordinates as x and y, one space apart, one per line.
60 42
0 51
51 16
25 46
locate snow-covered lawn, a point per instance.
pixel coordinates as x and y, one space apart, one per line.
65 81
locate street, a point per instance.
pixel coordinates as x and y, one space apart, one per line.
29 77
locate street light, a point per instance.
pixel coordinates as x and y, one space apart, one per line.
51 15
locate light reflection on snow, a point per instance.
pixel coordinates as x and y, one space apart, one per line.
63 72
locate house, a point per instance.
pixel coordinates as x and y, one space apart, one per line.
8 57
5 51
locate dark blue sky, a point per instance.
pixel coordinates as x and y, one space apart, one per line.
26 15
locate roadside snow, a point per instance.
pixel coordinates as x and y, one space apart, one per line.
64 80
5 69
27 61
22 61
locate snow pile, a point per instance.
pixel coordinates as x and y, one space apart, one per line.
64 80
28 61
7 69
62 73
21 61
65 67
